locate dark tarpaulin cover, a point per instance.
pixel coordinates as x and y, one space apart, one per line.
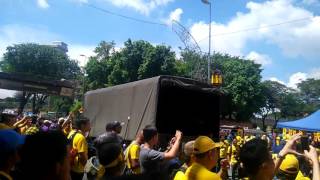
137 100
309 123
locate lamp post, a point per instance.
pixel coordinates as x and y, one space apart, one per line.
209 58
84 72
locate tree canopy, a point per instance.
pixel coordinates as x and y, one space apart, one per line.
40 61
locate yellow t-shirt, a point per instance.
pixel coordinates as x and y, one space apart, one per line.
223 150
133 153
233 154
301 177
80 144
179 176
198 172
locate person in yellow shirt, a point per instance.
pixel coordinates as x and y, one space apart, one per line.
223 148
188 158
232 154
132 155
206 156
79 147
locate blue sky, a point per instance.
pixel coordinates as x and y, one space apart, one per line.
285 39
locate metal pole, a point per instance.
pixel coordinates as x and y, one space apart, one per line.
209 57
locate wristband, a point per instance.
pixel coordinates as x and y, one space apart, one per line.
279 156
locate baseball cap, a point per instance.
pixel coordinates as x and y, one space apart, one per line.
10 140
188 148
203 144
113 125
290 164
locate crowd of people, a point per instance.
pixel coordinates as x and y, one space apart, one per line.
62 149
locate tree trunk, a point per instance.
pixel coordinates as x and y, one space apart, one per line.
34 97
275 121
40 100
23 101
263 123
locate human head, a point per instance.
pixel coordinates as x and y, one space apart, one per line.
150 135
111 157
289 168
188 152
139 137
10 142
8 118
45 153
115 126
256 158
206 151
61 121
82 123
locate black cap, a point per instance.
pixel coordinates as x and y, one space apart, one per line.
114 125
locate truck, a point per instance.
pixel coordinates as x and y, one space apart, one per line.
166 102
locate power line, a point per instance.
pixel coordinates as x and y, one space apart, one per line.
257 28
124 16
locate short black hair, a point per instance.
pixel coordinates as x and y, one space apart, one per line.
79 121
108 152
253 154
41 152
149 132
6 117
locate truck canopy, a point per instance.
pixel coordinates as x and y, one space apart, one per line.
167 102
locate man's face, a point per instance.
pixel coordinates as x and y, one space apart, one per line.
87 127
213 157
118 130
155 139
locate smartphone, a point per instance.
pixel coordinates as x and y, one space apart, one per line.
305 143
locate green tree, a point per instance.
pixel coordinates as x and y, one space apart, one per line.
40 61
60 104
273 92
195 64
242 80
140 59
291 106
310 94
100 66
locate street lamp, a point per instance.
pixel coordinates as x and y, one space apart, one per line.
209 59
84 72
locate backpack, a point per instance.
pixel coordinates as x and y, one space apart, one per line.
73 152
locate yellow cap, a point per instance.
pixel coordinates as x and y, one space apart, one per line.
203 144
290 164
278 138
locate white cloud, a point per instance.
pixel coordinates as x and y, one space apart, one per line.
314 73
174 15
262 59
81 53
43 4
296 78
15 34
142 6
300 38
277 80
